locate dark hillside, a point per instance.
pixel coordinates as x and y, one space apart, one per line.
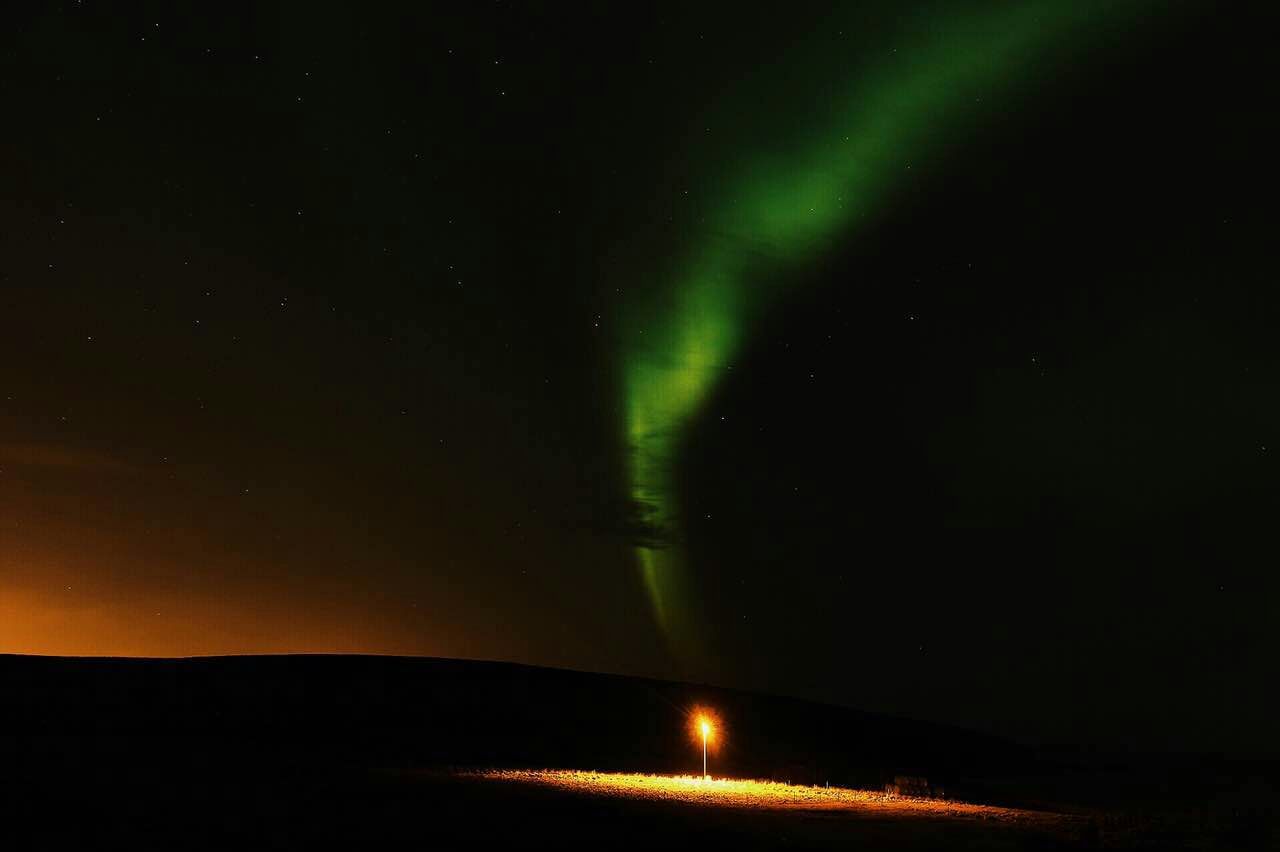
436 712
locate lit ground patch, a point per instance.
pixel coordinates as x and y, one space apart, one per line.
753 794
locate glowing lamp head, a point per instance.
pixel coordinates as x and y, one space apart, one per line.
703 726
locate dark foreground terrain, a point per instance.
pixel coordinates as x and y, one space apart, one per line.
287 751
293 807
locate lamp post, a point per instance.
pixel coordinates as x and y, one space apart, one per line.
706 731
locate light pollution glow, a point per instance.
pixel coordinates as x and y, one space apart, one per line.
775 212
56 619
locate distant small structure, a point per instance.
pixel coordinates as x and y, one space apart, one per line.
914 786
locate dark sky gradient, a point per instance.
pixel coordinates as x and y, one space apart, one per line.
308 342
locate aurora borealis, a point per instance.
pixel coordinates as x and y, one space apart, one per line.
917 357
774 211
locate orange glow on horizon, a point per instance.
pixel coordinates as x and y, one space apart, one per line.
61 621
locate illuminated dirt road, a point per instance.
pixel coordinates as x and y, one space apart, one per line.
728 792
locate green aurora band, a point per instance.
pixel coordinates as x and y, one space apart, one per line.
774 212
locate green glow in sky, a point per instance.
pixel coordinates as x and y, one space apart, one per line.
775 211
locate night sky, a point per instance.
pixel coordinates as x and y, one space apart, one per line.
915 357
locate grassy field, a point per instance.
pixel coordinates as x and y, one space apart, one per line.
766 814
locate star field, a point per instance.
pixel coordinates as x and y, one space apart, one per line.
900 356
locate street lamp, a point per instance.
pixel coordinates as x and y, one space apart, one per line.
705 726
